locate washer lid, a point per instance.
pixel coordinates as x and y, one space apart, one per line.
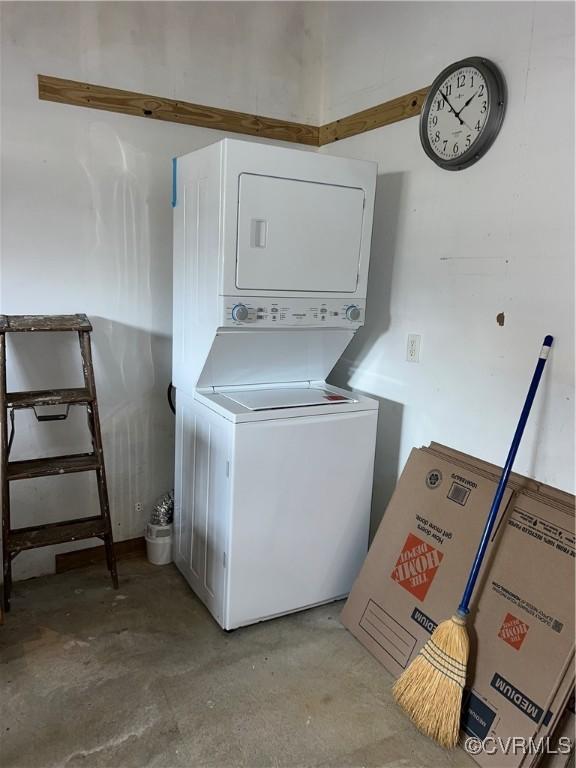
288 397
240 358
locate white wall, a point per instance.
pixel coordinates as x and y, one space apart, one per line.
87 222
452 250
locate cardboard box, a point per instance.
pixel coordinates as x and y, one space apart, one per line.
560 704
516 480
549 730
559 755
522 623
529 486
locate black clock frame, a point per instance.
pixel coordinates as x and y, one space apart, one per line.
497 97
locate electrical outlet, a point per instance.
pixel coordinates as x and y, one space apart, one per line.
413 348
138 507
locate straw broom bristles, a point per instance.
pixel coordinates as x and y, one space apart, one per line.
430 689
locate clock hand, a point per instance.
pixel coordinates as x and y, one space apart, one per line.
468 102
451 107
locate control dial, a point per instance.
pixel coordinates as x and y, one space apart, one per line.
240 312
353 313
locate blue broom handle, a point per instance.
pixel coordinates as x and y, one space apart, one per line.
464 607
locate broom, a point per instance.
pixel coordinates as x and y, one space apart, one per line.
430 689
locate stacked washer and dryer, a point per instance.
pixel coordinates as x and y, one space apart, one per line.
273 466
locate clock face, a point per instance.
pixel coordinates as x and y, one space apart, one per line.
463 113
458 113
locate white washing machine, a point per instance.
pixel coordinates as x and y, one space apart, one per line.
273 466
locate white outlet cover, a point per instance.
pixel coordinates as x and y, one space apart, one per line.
413 348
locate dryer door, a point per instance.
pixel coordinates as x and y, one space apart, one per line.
298 235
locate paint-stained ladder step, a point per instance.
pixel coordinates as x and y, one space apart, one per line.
53 465
28 323
55 533
77 396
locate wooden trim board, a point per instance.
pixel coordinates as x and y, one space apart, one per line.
159 108
387 113
79 558
80 94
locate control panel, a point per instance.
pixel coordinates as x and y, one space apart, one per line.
241 311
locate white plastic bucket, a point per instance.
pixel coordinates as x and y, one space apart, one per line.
159 544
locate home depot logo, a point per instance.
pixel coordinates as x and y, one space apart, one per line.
513 631
416 566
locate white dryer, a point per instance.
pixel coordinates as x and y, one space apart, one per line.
273 466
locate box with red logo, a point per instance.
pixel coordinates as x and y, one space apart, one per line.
554 529
522 620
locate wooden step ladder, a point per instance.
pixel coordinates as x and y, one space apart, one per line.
16 540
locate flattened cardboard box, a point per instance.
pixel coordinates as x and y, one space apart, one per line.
522 622
535 489
419 558
549 727
516 481
561 755
547 494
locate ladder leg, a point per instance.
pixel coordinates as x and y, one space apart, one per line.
111 559
7 575
4 489
105 512
94 426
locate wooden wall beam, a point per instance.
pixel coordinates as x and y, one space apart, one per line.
375 117
158 108
81 94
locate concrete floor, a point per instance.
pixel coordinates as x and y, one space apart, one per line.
143 677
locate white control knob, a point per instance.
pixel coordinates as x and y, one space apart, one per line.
353 313
240 312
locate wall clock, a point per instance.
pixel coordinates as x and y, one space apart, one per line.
463 113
